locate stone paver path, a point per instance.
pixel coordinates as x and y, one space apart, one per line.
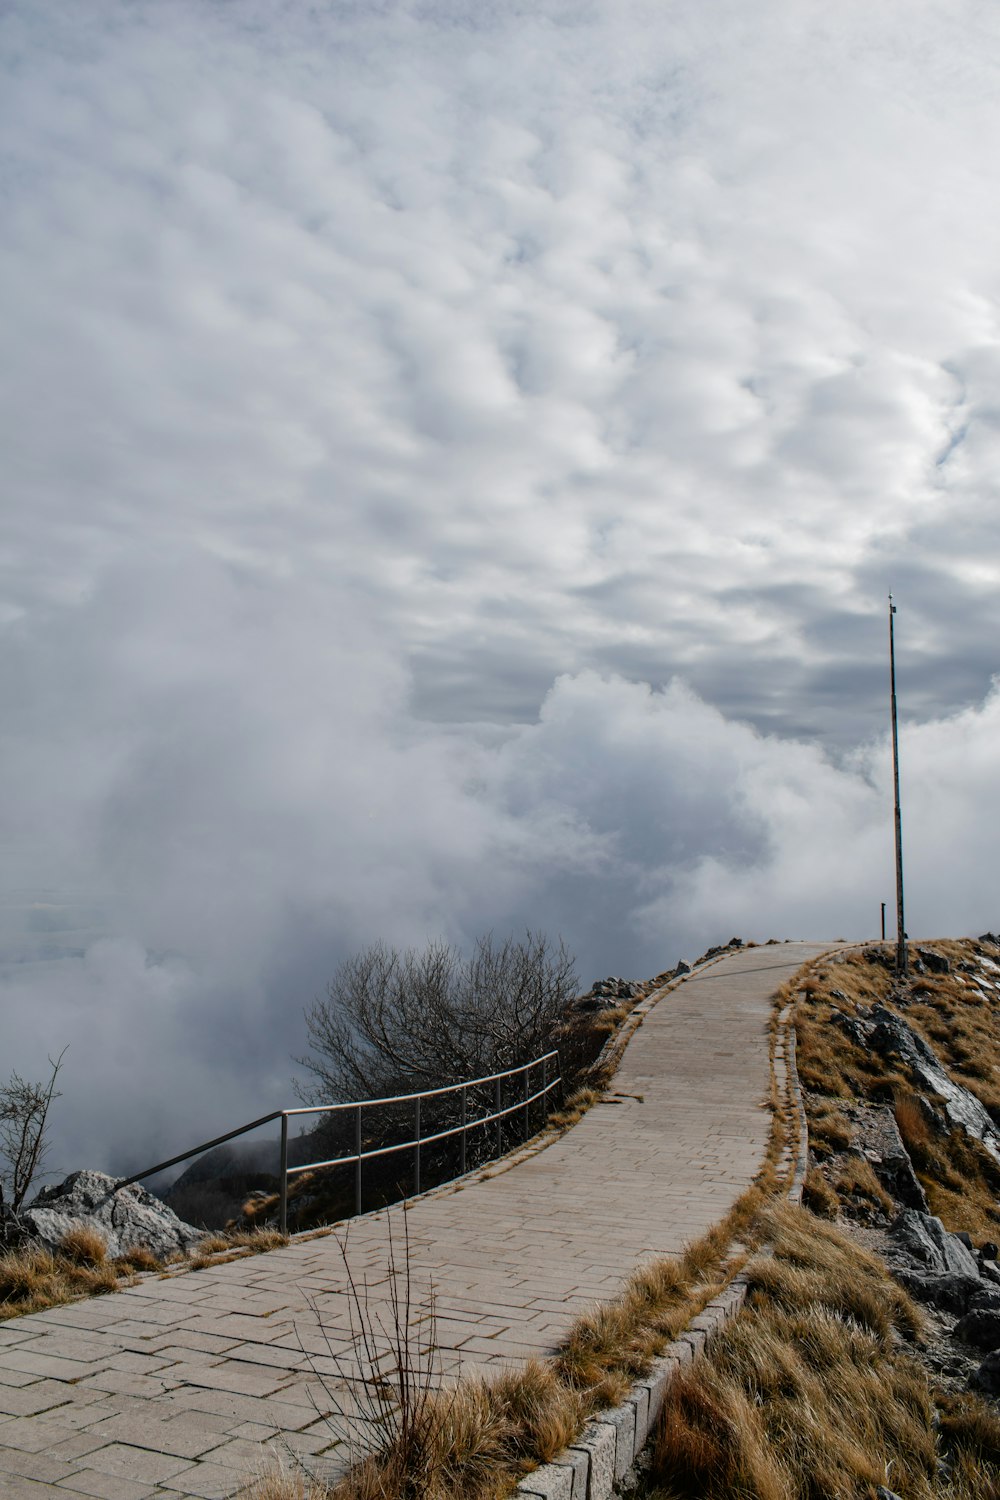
170 1387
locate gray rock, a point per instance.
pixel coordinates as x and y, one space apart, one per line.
127 1217
988 1251
926 1243
892 1163
883 1494
987 1298
950 1293
615 988
987 1377
933 962
980 1327
892 1037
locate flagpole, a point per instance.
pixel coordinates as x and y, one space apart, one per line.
901 966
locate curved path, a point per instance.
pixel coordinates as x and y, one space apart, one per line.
170 1387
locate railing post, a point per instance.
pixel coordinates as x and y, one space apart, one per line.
465 1130
545 1090
416 1161
526 1092
496 1111
358 1163
283 1215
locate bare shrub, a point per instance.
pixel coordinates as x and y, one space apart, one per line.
397 1021
24 1110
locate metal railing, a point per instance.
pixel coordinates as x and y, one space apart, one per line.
419 1142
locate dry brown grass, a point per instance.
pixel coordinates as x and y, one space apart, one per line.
84 1246
575 1108
811 1391
855 1179
275 1482
138 1258
33 1279
819 1196
233 1244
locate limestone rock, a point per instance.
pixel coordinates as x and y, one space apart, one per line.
890 1036
127 1216
615 988
948 1292
927 1244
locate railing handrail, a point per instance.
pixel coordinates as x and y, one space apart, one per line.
448 1088
197 1150
359 1104
440 1135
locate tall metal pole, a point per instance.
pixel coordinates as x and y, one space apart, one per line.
900 924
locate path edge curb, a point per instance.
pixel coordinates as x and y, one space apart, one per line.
592 1467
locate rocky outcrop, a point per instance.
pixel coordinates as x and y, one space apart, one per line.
881 1144
127 1217
932 1264
886 1033
614 988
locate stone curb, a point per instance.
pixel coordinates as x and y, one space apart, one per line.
606 1450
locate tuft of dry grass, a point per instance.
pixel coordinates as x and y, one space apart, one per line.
811 1391
32 1279
856 1180
232 1244
819 1196
138 1258
84 1246
575 1108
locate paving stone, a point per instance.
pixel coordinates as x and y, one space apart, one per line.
135 1463
45 1467
28 1400
206 1481
89 1482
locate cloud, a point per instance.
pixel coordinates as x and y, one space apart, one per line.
241 825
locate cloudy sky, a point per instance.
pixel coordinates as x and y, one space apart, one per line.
456 455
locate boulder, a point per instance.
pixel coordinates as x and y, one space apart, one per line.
127 1216
948 1292
980 1327
615 988
928 1246
890 1036
987 1377
895 1169
933 962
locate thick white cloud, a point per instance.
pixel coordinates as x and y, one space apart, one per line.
435 434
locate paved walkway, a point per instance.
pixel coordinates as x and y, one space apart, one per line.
170 1388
